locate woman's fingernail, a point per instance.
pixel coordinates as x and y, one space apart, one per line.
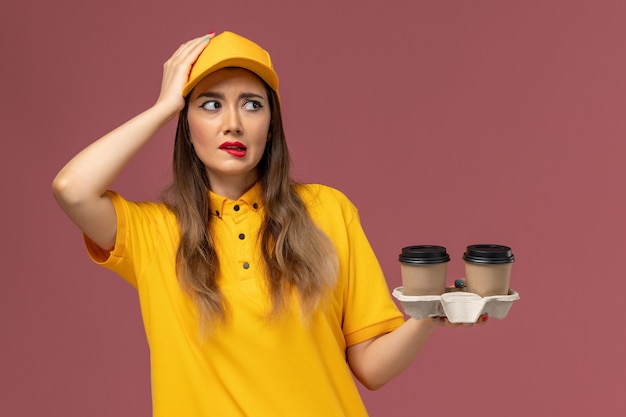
484 319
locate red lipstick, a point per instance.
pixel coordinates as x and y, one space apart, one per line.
236 149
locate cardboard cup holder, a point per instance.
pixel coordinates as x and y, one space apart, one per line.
458 305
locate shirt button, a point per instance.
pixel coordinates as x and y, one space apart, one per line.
242 236
246 265
236 208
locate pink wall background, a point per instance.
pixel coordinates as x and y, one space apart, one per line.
450 122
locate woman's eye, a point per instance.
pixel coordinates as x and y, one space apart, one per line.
252 105
211 105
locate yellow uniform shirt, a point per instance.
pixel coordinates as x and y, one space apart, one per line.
250 366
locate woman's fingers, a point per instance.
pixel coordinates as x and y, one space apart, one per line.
176 70
444 322
189 51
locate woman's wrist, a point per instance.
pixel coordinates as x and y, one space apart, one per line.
164 111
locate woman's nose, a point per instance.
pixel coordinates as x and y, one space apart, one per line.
231 121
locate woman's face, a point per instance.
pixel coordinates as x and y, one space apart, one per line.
229 117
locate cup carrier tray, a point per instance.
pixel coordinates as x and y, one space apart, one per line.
457 304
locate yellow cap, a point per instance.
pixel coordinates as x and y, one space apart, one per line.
231 50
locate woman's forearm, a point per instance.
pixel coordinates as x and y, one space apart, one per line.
377 361
88 174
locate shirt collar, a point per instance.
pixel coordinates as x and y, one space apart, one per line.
251 198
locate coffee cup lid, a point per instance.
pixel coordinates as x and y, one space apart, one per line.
488 254
424 254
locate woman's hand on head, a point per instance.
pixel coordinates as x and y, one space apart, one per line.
176 73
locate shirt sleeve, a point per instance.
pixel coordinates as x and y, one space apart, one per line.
136 241
369 309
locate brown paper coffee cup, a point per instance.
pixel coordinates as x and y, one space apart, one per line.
423 269
488 269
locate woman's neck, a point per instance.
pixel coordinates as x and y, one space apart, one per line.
231 187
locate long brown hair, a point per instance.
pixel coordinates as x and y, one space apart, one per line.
298 256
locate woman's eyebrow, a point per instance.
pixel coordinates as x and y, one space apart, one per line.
220 96
212 94
252 95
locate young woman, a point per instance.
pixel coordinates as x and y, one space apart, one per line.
259 296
